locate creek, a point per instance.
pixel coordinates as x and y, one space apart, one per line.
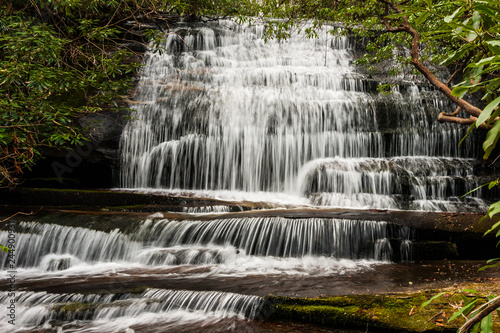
222 114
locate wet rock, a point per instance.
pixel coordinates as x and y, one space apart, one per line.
375 313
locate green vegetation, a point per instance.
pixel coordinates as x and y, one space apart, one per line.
387 313
62 59
477 308
58 63
76 307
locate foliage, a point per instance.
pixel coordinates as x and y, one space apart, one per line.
471 307
62 59
473 32
56 65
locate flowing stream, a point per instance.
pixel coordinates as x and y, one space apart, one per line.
180 251
223 114
224 111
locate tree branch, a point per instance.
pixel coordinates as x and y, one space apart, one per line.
489 307
454 113
415 61
462 65
447 118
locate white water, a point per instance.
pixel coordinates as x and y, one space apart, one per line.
417 183
230 245
223 111
112 313
49 254
159 250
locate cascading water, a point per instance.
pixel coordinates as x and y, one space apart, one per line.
110 312
414 183
223 110
51 247
187 249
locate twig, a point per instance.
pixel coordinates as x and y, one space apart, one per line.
22 213
494 161
454 113
440 313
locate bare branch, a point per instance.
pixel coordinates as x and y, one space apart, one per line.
488 308
462 65
454 113
20 213
444 118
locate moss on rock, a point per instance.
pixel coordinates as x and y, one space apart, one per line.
378 313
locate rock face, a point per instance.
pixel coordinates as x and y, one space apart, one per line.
92 165
95 164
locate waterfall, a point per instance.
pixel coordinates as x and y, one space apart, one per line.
65 245
428 183
188 249
228 111
279 237
163 242
223 114
39 309
206 209
223 110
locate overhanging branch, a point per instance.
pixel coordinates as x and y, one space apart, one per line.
489 307
444 117
415 60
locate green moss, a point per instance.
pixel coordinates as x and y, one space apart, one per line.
388 313
75 307
136 291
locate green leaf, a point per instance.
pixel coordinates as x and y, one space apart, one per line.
474 190
432 299
471 36
494 46
491 140
476 19
422 18
494 115
492 260
475 75
470 291
456 55
485 61
487 324
4 249
471 128
459 91
450 18
494 209
465 308
496 225
487 111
